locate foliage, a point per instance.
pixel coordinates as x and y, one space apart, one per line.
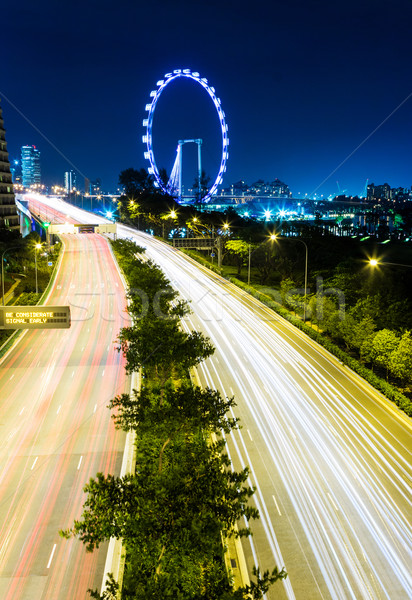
379 347
400 360
240 250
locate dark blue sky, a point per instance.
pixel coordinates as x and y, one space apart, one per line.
302 82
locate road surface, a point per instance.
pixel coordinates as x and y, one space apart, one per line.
56 431
330 457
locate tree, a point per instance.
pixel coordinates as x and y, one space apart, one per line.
240 250
168 519
135 181
264 260
161 347
400 360
381 346
183 405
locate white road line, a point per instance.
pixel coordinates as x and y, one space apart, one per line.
35 460
277 506
72 374
232 392
10 378
80 462
22 411
51 556
103 372
251 439
331 499
95 407
30 351
58 410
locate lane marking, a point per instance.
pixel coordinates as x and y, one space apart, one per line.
277 506
58 410
331 499
232 392
250 435
103 372
22 411
11 377
35 460
51 556
80 462
95 408
72 375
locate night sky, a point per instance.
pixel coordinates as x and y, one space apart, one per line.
303 83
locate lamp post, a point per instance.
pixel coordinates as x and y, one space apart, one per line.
248 268
171 215
2 270
276 237
36 247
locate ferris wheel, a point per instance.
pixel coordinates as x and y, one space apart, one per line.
148 124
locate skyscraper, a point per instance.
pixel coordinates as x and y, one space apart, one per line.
69 181
8 211
30 165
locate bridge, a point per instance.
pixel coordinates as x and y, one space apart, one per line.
201 243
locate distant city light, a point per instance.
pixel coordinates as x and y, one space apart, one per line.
268 214
109 214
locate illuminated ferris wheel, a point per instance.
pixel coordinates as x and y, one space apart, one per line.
174 185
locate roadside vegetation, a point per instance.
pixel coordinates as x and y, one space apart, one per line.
183 497
361 314
19 269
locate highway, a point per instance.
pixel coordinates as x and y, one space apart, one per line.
330 457
56 430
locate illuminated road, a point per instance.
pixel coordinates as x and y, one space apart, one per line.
330 458
56 431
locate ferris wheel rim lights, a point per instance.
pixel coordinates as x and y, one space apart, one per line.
148 123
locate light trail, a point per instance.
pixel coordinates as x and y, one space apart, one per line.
56 405
333 452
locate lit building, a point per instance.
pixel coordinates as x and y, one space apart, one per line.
69 181
30 165
379 192
8 211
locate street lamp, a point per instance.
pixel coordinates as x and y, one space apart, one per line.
171 215
36 247
276 237
374 262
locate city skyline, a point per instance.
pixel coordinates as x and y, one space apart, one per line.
313 94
